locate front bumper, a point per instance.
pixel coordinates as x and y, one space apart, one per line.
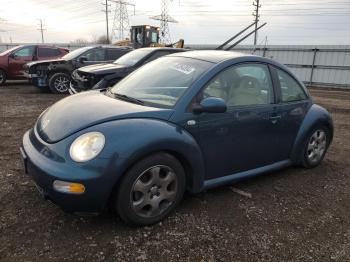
72 88
29 76
38 80
83 82
44 168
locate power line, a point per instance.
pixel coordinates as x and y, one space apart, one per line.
257 16
106 11
41 29
121 18
164 19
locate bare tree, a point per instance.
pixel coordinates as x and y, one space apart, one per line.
101 40
79 41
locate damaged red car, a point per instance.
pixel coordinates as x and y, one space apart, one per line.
13 60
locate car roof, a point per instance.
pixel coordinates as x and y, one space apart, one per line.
51 46
165 48
214 56
112 46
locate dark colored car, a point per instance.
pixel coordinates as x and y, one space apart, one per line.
56 73
187 121
13 60
106 75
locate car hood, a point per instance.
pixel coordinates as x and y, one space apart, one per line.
102 69
86 109
43 62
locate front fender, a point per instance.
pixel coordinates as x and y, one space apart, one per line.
130 140
316 115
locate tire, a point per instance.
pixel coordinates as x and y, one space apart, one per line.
150 190
59 83
315 147
2 77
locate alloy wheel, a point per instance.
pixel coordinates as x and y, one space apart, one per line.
317 146
61 84
154 191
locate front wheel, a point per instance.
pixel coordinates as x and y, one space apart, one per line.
315 147
59 83
2 77
150 190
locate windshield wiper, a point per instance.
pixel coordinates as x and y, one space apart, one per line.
129 99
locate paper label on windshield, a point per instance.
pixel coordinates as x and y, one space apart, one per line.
186 69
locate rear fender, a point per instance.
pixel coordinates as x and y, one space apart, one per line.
316 115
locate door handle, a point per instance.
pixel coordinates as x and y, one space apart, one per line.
275 118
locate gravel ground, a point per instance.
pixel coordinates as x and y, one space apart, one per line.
293 215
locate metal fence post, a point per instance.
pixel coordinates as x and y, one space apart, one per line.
313 66
264 53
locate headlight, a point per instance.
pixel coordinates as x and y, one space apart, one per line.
87 146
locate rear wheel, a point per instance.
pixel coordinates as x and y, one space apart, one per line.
150 190
315 147
59 83
2 77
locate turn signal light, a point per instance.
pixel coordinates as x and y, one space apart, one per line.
68 187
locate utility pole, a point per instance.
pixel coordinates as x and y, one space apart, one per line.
257 16
41 29
106 11
121 18
164 19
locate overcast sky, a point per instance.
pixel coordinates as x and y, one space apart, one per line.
199 21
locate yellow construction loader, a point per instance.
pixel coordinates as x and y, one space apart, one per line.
146 36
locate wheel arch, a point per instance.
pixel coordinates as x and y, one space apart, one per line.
315 116
179 144
2 68
194 169
58 70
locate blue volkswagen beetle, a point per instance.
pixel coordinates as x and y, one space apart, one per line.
188 121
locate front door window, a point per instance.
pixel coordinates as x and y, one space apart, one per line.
243 85
25 52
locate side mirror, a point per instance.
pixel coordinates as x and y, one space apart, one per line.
82 59
211 105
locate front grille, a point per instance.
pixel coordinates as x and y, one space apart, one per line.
85 80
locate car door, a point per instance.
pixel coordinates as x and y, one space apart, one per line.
291 108
244 137
18 59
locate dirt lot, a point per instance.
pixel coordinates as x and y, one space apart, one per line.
293 215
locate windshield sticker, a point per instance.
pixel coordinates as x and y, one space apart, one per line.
186 69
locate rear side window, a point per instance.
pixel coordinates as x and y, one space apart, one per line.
115 53
96 54
48 52
290 89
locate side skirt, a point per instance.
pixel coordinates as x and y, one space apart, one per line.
245 174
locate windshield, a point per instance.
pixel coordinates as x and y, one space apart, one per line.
162 82
133 57
76 52
10 50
